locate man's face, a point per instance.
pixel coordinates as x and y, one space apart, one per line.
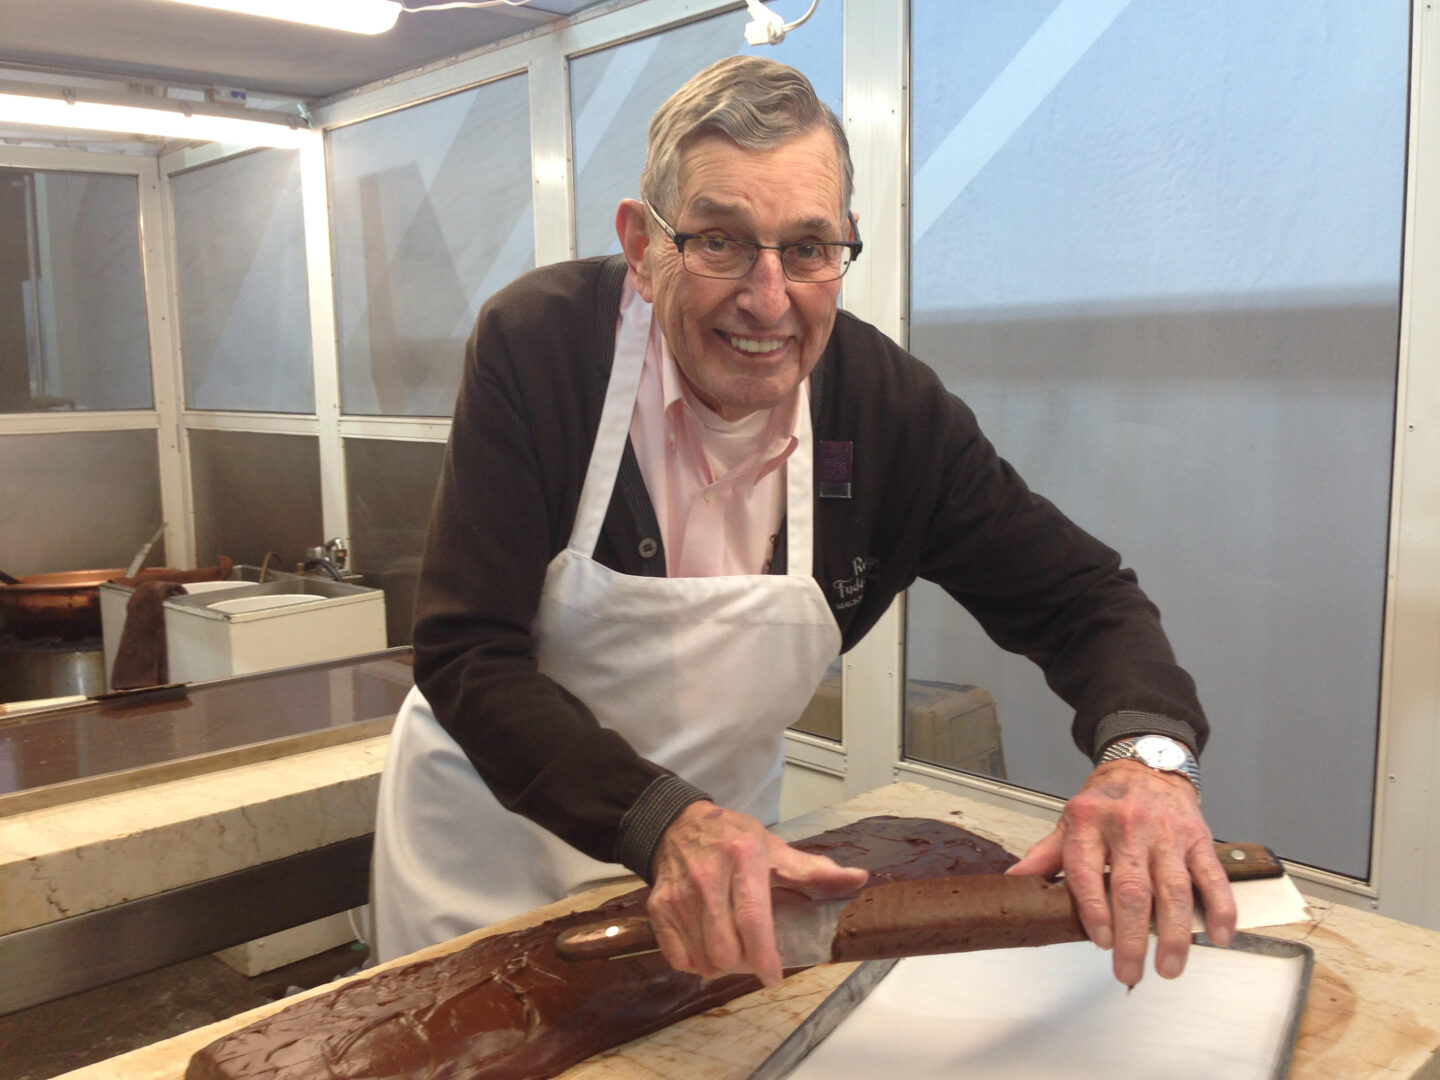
744 345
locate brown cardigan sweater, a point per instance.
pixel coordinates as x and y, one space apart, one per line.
929 498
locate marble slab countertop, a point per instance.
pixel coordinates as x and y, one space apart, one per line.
71 859
1373 1008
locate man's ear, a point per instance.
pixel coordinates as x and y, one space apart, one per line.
632 225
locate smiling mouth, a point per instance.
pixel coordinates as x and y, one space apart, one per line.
753 345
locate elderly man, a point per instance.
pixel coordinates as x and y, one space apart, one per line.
678 484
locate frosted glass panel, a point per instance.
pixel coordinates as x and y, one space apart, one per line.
1157 248
78 500
614 93
255 493
241 279
432 209
391 486
72 298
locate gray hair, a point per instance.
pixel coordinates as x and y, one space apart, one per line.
756 102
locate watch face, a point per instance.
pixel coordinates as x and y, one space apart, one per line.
1160 753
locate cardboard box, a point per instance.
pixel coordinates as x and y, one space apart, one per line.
954 726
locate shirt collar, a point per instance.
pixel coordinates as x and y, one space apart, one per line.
780 436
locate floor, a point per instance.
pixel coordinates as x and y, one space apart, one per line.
54 1038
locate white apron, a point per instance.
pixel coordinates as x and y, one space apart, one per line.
701 675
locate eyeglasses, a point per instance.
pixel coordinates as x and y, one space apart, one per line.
805 261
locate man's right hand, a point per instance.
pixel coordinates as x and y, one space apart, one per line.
710 904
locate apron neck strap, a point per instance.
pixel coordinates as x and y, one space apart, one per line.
614 430
799 500
610 440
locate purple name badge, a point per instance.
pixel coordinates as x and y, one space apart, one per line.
834 469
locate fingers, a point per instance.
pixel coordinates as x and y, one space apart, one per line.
1045 857
1130 903
755 929
1215 893
700 891
710 904
1084 860
1146 827
672 940
701 928
824 875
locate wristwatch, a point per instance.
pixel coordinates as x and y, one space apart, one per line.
1157 751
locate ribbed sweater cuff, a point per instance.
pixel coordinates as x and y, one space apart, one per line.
645 823
1126 722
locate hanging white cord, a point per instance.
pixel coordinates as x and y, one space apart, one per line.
791 26
767 28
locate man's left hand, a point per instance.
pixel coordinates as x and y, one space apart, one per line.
1147 827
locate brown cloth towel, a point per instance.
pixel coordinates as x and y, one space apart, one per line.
142 658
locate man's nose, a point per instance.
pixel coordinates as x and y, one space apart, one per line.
766 293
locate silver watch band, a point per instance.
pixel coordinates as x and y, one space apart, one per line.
1172 756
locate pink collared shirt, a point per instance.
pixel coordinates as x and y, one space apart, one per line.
717 486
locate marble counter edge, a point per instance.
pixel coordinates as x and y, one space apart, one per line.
67 860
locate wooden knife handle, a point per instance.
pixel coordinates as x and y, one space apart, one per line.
1248 862
627 936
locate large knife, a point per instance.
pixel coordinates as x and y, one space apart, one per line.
907 918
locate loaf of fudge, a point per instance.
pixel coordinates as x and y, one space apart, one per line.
955 914
507 1008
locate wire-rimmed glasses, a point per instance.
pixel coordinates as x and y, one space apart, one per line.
714 256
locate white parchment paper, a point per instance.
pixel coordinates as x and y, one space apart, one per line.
1057 1013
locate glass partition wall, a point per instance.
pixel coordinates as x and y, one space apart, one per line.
1158 251
1168 279
242 311
432 212
243 300
78 422
72 297
432 207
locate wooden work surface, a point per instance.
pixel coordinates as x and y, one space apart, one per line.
1373 1008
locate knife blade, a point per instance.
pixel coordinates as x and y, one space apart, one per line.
139 559
906 918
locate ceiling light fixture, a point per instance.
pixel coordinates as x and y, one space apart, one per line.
356 16
166 117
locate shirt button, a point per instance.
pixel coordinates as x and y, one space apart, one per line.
710 495
648 548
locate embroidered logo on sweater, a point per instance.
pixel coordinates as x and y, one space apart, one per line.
850 591
834 469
